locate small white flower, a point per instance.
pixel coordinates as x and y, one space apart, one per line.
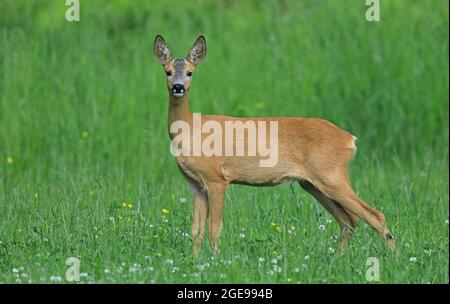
277 268
112 219
55 278
322 227
147 257
331 250
306 257
279 257
84 274
296 270
242 235
274 261
183 200
169 262
15 270
106 270
151 226
175 269
150 269
413 259
328 221
261 260
158 254
200 267
270 272
45 239
446 222
135 268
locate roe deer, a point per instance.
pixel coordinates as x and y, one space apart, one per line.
311 151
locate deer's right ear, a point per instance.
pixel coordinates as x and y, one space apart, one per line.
161 50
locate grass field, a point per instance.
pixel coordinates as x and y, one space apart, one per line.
85 165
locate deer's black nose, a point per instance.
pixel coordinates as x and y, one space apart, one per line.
178 88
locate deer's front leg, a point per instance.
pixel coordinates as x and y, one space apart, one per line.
199 221
216 195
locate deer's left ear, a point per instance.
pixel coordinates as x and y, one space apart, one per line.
197 51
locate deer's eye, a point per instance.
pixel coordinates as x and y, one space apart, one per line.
169 73
189 74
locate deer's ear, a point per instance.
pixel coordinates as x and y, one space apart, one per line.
162 50
197 51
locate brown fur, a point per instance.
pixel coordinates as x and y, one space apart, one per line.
312 151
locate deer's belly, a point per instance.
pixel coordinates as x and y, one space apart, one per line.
251 173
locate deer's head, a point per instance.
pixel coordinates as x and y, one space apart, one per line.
179 71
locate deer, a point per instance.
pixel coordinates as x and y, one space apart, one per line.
311 151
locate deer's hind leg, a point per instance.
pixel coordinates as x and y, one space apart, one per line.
344 195
346 220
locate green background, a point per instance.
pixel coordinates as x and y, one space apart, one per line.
63 195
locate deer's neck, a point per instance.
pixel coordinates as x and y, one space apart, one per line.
179 110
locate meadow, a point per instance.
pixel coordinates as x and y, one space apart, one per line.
85 167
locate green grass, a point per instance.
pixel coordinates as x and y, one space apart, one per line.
63 195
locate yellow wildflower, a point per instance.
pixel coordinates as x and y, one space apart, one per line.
85 134
129 205
165 211
9 160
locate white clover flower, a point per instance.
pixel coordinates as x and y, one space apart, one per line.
277 268
322 227
200 267
183 200
446 222
413 259
242 236
55 278
169 262
106 270
15 270
328 221
331 250
175 269
296 270
261 260
306 257
274 261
